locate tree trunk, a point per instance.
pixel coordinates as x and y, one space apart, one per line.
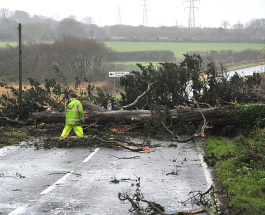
95 114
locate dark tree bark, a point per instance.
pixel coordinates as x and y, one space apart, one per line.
95 114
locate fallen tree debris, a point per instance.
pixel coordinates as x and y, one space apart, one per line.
94 141
144 207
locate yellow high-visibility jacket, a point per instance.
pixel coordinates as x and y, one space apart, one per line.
73 112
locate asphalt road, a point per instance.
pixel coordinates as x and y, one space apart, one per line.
248 71
80 180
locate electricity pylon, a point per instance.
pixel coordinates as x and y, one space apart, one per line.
119 16
191 20
145 23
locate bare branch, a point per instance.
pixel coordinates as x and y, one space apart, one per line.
15 122
137 200
197 134
139 97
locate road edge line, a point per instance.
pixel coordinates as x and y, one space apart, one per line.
207 173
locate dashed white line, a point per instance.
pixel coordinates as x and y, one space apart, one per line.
90 156
61 180
18 210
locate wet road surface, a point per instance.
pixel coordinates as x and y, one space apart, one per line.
247 71
80 180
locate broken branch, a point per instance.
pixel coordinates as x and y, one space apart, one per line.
139 97
137 201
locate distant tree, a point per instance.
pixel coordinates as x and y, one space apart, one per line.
72 17
238 26
262 23
21 16
33 31
221 31
91 29
46 34
102 32
6 21
74 56
40 18
70 26
87 20
5 13
256 23
80 57
225 24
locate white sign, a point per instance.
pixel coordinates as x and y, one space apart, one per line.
118 74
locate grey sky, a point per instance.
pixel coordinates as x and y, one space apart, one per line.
208 13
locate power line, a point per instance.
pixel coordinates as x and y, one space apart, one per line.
191 20
8 29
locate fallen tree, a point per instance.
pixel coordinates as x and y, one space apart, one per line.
185 114
146 106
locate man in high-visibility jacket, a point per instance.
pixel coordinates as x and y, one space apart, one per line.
74 117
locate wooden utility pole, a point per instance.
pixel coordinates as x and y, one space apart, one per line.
20 63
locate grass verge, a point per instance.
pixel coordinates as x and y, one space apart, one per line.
240 165
8 138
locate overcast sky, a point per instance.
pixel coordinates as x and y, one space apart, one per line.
208 13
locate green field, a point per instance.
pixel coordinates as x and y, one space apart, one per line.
3 44
181 48
178 48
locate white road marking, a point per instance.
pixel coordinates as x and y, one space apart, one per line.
90 156
61 180
208 177
18 210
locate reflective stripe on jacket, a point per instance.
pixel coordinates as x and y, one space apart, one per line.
73 112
